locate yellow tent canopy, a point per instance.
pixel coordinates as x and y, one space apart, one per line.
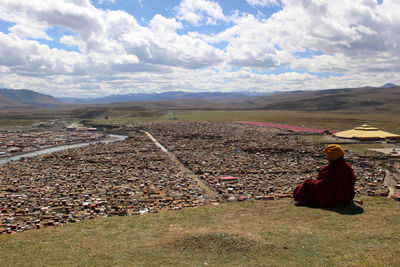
366 132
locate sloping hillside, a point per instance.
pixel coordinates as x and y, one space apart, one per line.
368 98
28 97
6 103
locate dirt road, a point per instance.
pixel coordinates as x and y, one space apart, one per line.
212 195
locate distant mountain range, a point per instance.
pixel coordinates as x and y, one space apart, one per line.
389 85
173 95
386 97
372 99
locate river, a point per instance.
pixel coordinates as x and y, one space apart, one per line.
49 150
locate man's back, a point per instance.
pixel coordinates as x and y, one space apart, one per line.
333 187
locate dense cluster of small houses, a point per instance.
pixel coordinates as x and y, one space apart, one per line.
245 162
15 142
134 176
102 179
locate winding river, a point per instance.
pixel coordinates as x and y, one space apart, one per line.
49 150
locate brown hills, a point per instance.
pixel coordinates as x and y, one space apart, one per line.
26 99
351 99
335 99
6 103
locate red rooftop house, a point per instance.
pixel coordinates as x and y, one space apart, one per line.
71 128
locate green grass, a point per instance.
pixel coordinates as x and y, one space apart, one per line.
325 120
17 122
22 122
332 120
24 118
261 233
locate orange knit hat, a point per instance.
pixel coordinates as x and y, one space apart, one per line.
333 151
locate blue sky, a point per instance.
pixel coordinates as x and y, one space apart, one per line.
144 10
93 48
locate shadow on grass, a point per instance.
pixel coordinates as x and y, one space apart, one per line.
349 209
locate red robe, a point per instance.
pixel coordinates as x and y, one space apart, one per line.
333 187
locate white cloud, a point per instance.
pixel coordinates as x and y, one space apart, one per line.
163 25
77 16
198 12
100 2
322 63
70 40
353 34
113 40
342 27
259 56
30 31
28 57
263 2
161 45
358 41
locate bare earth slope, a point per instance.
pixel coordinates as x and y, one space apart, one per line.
6 103
344 99
29 97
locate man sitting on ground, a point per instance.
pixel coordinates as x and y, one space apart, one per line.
334 185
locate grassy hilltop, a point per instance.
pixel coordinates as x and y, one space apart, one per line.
259 233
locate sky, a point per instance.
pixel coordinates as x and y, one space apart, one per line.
83 48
